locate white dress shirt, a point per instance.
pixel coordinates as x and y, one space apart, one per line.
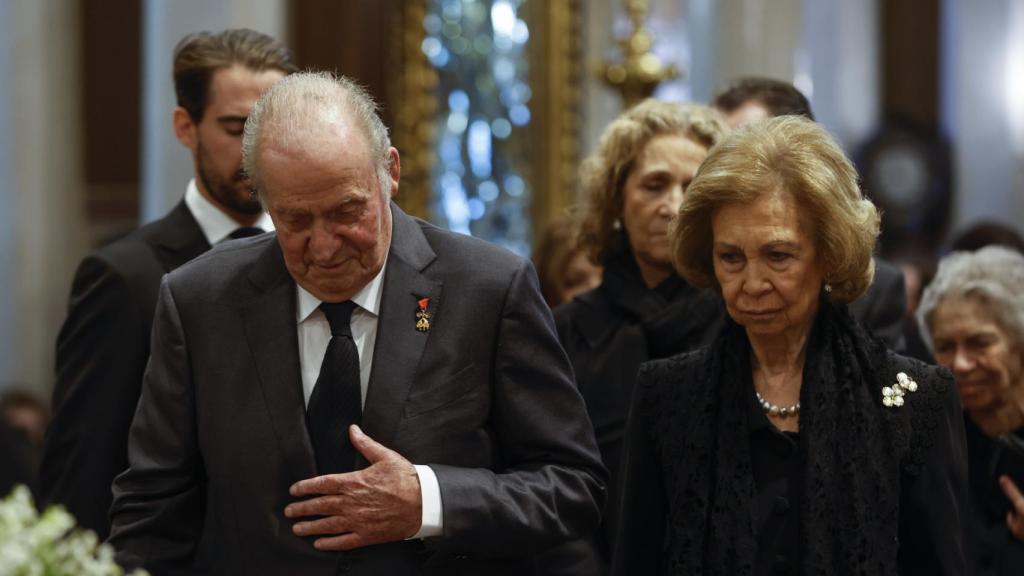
314 335
215 224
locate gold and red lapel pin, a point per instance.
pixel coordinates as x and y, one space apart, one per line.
422 316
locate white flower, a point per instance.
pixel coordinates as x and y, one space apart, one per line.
49 545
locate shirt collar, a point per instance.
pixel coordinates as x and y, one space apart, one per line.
368 298
215 224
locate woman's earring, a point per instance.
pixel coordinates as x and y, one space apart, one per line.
828 288
617 224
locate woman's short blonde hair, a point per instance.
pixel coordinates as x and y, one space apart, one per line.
604 173
793 154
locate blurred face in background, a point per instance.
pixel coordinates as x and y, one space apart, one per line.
984 359
580 275
651 197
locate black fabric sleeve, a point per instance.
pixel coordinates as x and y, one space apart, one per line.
553 487
882 309
158 507
639 544
934 502
101 355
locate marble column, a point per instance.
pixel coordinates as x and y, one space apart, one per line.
8 232
982 59
42 227
757 38
837 67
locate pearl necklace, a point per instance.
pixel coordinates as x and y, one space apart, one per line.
776 410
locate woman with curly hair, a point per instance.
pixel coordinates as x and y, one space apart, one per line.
632 187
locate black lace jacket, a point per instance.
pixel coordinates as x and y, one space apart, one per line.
883 487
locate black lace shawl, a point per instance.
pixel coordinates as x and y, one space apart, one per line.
856 453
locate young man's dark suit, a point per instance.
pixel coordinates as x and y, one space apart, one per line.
485 397
101 355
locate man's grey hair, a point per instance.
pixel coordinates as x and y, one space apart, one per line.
992 276
301 102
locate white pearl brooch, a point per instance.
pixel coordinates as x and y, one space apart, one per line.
892 396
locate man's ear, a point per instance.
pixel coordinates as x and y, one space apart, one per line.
185 129
394 169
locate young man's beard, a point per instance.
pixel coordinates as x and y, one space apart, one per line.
226 191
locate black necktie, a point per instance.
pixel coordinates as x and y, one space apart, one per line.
336 400
245 232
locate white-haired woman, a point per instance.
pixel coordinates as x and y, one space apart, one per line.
972 315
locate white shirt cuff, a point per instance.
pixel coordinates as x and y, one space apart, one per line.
432 523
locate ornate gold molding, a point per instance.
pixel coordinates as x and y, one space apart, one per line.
641 71
415 107
552 151
556 78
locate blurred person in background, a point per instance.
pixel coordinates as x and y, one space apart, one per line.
983 234
632 187
918 271
972 315
796 443
104 343
19 460
23 411
564 269
752 99
23 420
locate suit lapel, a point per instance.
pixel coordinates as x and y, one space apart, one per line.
270 331
181 240
399 344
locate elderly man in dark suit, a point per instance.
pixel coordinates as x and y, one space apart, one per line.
362 393
104 343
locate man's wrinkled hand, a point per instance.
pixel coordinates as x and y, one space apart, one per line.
379 504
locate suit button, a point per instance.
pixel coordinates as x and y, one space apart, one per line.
461 557
781 505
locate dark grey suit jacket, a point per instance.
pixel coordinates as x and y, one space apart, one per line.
882 309
101 355
486 398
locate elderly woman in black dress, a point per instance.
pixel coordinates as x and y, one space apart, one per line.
796 443
972 315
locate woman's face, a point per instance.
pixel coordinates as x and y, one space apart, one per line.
651 197
766 263
985 361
